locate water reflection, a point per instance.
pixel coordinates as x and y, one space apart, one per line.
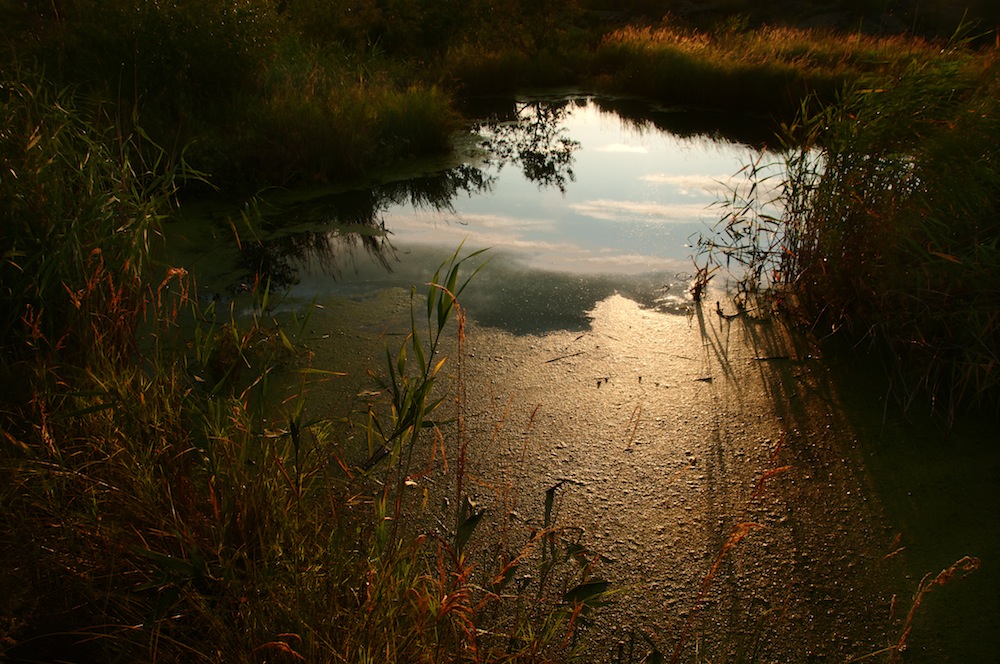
577 198
347 221
532 302
531 138
364 207
729 127
278 260
534 139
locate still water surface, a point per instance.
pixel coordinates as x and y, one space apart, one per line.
665 427
576 198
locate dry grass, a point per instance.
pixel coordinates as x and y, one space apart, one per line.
767 70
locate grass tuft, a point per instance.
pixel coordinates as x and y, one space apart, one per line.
885 225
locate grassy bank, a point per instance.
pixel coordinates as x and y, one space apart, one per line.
163 503
887 227
272 93
764 71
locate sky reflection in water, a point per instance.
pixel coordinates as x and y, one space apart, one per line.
575 201
635 201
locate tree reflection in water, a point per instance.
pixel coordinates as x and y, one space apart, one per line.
528 135
532 138
344 224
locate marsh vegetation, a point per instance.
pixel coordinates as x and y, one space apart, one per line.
163 501
887 226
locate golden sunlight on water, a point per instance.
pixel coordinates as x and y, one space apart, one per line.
737 491
671 436
702 461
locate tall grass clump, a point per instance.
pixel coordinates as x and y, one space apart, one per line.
160 500
80 213
887 226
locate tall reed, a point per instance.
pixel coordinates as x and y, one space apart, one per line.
160 501
885 224
79 219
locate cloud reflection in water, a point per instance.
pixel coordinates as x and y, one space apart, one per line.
575 202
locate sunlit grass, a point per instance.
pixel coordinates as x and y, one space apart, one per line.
766 70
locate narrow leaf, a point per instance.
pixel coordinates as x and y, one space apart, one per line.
588 593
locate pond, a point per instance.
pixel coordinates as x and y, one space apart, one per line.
745 492
576 198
